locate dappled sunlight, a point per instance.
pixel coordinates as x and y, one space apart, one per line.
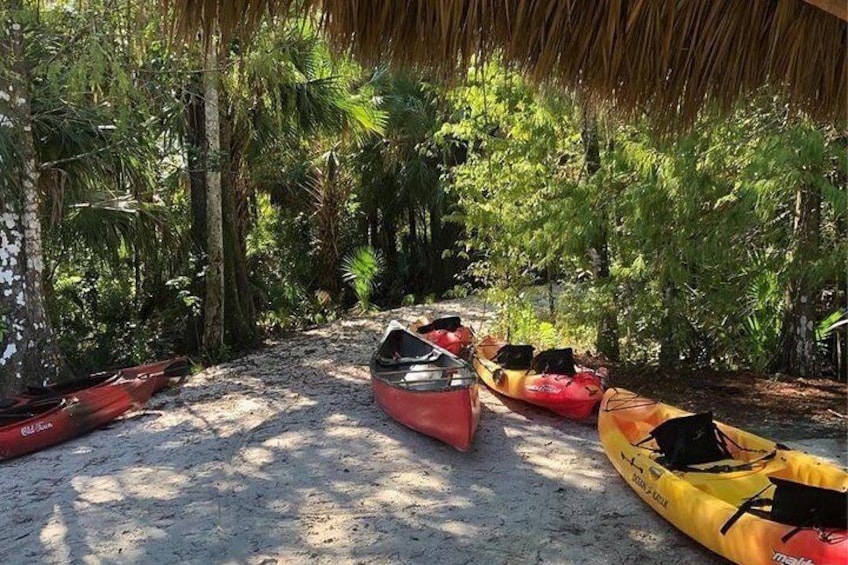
54 537
650 540
256 456
98 490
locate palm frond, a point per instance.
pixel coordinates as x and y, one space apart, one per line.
667 58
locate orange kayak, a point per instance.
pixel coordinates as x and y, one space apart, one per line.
549 379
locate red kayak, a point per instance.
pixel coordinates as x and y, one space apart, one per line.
448 333
161 372
549 379
39 423
425 387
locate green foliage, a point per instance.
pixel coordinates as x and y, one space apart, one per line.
831 323
695 227
283 263
361 270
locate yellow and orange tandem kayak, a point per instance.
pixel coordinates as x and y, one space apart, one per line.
548 379
746 498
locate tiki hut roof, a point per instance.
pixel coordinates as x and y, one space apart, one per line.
667 58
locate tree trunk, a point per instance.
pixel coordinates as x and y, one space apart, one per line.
607 341
239 309
194 140
213 324
669 352
434 250
28 350
797 349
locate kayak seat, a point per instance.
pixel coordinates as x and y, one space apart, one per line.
689 440
7 402
514 357
797 504
449 323
554 361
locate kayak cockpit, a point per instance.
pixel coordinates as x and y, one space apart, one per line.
36 409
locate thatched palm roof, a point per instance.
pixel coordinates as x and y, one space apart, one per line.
665 57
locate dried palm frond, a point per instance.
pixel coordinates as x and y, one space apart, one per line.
667 58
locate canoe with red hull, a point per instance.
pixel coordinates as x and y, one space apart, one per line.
44 422
425 388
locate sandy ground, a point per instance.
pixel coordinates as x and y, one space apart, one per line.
283 457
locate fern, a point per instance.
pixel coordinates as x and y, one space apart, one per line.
361 270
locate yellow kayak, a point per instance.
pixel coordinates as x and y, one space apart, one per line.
746 498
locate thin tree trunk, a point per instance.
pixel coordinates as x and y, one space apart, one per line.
373 229
434 250
194 141
607 341
669 352
798 349
28 349
213 325
239 311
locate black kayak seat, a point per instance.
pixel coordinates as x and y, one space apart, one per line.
449 323
554 361
514 357
798 504
690 440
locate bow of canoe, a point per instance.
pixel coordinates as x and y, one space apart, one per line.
425 388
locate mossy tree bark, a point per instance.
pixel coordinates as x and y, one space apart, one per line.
213 303
28 349
797 354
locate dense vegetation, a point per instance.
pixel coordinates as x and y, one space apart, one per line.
344 187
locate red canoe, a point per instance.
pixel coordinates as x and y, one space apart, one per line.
549 379
448 333
425 387
40 423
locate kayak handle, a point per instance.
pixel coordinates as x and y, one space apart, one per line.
498 375
632 462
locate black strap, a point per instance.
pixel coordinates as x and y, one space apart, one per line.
632 462
752 502
646 440
746 466
791 533
726 438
